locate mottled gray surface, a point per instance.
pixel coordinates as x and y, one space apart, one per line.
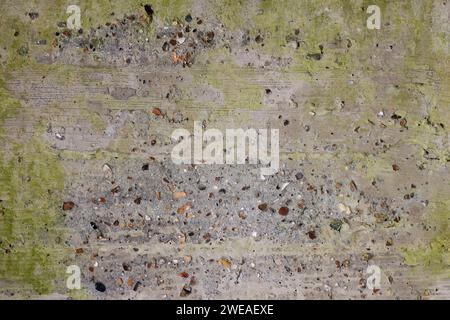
86 118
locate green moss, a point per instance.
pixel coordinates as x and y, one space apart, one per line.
234 14
30 239
233 82
15 55
370 166
168 10
435 255
8 105
80 294
19 35
96 121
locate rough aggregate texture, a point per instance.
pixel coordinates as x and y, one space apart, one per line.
86 176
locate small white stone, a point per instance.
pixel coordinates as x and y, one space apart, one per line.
344 209
107 171
292 44
284 185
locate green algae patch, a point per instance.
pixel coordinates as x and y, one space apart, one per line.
370 166
32 250
168 10
220 71
435 255
96 121
79 294
31 240
279 21
14 40
32 247
234 14
8 105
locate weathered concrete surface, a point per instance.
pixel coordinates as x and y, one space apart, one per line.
86 120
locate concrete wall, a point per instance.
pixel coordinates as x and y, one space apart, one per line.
86 176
